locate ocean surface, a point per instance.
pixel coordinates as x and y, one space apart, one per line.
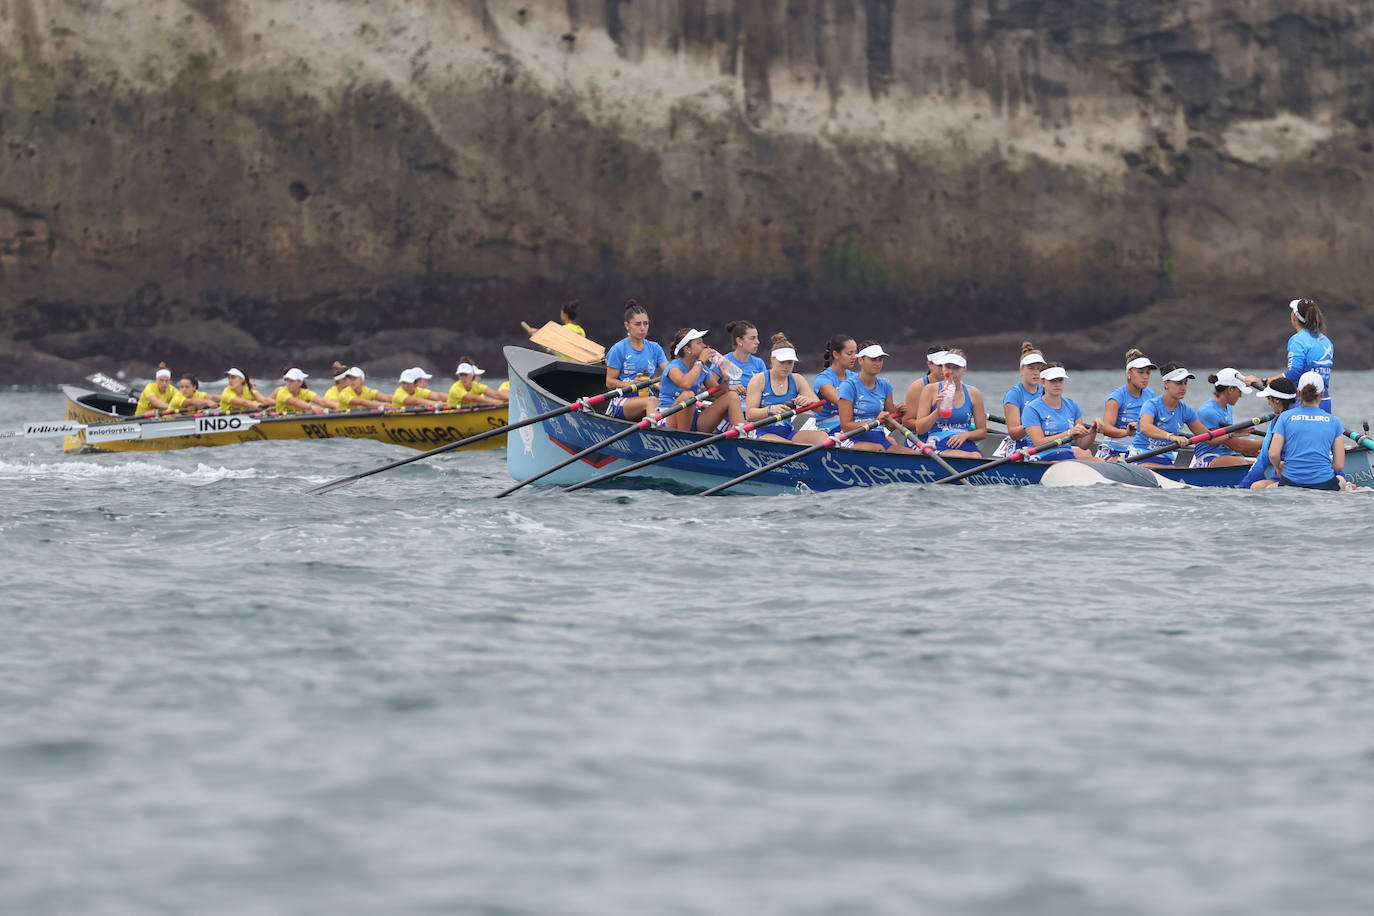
221 695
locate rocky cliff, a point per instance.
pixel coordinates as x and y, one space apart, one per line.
266 180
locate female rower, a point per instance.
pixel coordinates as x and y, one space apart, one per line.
868 396
157 394
934 373
959 433
468 389
1309 349
337 371
840 355
691 372
353 394
412 393
1230 450
778 388
1164 418
567 315
1282 395
745 340
1122 411
189 396
1306 442
241 394
632 360
293 395
1051 415
1018 396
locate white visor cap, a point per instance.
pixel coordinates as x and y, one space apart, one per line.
1141 362
873 352
236 372
1268 392
163 373
1052 373
1293 307
295 375
1033 359
469 369
1231 377
691 335
1178 375
785 355
954 359
937 358
1311 378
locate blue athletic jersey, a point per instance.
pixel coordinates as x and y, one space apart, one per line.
747 369
1308 352
630 363
1127 410
1260 469
828 417
1214 416
668 390
1019 396
960 419
1053 422
1308 433
1174 421
868 402
768 398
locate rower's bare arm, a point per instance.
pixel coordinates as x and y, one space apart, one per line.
804 389
1148 427
1012 414
753 399
980 417
1338 455
1110 412
1276 453
926 413
847 421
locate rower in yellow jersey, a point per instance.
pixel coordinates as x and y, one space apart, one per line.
412 393
157 394
188 395
241 395
293 396
353 394
337 370
568 315
469 391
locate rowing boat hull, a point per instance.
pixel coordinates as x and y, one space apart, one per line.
540 384
417 430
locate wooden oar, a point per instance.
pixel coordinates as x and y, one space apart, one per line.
809 450
923 448
581 404
1202 437
642 424
732 433
1019 455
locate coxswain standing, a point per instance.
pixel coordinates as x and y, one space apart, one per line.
1309 349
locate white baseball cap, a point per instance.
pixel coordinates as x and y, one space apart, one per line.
410 376
874 351
1231 377
785 355
420 373
470 369
163 373
1141 362
295 375
1052 373
236 372
354 372
687 338
1311 378
953 359
1033 358
1178 375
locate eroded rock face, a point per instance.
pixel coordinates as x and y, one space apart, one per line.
314 173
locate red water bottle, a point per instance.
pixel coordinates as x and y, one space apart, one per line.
946 398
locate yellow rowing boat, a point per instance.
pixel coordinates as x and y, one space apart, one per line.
108 428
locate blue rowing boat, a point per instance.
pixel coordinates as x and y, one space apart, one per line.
541 383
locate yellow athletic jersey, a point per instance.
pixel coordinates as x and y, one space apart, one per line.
505 386
230 393
575 328
346 396
459 391
332 394
151 390
179 399
281 394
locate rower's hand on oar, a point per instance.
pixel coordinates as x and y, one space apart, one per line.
1181 440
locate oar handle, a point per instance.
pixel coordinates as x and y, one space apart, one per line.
1362 441
1203 437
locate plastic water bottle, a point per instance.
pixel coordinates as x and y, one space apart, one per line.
946 399
726 368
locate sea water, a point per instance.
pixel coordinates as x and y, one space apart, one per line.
221 695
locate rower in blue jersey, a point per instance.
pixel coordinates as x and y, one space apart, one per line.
868 396
841 352
967 422
634 359
1164 418
691 372
1230 450
774 390
1018 396
1122 410
744 338
1282 395
1306 445
1051 415
933 373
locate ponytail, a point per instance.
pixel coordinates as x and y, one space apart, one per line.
571 309
1310 394
1311 316
834 345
